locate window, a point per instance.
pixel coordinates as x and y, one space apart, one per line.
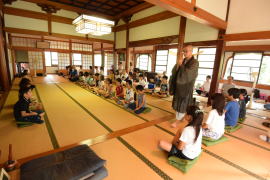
144 62
98 60
264 77
86 61
51 58
171 61
243 65
108 62
77 59
206 58
162 61
63 60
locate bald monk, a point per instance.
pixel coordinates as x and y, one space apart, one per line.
182 81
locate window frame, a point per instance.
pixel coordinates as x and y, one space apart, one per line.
234 53
167 59
52 65
73 59
148 59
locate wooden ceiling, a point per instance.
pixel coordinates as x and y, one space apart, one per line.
107 7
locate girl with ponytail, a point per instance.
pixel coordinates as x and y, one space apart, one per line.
187 144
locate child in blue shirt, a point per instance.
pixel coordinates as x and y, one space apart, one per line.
232 107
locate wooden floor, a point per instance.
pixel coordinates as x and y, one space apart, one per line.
127 141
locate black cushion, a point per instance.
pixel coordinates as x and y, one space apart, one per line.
70 164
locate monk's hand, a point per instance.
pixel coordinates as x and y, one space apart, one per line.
180 61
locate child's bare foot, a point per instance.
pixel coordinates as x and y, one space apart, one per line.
175 124
42 114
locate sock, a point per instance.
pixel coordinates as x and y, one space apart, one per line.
179 116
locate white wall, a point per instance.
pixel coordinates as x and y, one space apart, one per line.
51 70
215 7
248 16
199 32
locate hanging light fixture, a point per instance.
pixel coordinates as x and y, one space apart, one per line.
93 25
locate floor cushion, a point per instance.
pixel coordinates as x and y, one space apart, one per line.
70 164
147 110
22 124
230 129
182 164
210 142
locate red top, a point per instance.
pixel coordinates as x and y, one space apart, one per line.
119 91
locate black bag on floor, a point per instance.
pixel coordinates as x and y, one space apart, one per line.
79 162
256 93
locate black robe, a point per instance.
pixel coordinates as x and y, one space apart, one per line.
182 83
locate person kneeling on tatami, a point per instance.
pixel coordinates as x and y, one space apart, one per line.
140 105
187 145
214 126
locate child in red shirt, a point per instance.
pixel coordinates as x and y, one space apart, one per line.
119 91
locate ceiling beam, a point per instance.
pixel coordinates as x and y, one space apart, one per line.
154 41
71 8
65 36
36 15
247 36
190 11
134 10
248 48
150 19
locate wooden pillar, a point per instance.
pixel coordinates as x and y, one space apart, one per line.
4 73
154 58
12 51
219 51
49 15
43 58
181 37
102 55
127 49
115 65
70 52
93 53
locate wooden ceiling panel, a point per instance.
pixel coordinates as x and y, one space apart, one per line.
107 7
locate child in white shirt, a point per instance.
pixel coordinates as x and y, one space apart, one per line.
215 123
187 144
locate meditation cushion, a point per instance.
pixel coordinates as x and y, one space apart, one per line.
182 164
230 129
241 120
22 124
70 164
210 142
147 110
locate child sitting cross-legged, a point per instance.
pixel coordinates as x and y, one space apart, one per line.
140 104
164 87
107 91
151 86
232 108
22 112
187 143
215 123
81 77
119 91
129 99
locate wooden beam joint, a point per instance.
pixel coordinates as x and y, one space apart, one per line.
48 8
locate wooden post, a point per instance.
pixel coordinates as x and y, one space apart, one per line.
181 37
4 73
49 15
70 52
43 58
102 55
219 51
12 51
154 58
127 49
115 65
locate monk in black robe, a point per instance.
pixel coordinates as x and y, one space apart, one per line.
182 83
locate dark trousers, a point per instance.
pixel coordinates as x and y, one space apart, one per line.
32 119
133 107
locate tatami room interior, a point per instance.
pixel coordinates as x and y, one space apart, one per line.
147 34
